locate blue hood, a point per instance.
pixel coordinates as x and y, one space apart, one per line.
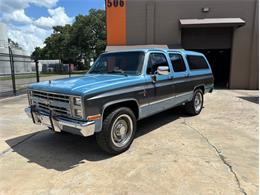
89 83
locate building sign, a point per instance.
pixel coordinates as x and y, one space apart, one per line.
116 22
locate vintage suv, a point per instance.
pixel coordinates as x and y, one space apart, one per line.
120 88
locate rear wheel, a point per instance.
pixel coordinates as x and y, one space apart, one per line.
195 106
118 131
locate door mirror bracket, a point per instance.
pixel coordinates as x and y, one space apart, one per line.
153 78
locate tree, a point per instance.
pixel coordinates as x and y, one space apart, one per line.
36 54
84 39
13 44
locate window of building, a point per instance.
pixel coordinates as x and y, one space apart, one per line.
177 63
156 60
197 62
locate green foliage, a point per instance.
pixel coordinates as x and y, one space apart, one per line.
81 41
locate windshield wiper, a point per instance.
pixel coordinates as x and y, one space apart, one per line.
97 72
118 71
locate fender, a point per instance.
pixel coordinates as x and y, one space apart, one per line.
118 101
99 123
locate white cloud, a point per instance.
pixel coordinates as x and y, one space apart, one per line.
57 17
8 6
17 16
44 3
31 33
28 36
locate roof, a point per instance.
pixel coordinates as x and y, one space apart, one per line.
131 47
212 22
157 49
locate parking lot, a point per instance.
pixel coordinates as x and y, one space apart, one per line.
213 153
22 81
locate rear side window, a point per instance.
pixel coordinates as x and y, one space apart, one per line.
177 62
197 62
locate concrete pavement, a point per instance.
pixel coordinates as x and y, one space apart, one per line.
213 153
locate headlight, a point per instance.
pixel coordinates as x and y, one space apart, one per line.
77 101
78 113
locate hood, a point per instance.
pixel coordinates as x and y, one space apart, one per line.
88 83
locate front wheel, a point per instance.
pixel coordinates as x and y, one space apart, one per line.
195 106
118 131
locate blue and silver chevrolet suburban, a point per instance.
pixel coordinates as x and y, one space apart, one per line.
120 88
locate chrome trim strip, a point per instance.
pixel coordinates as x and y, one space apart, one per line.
163 100
168 103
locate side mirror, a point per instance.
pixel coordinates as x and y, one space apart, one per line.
163 70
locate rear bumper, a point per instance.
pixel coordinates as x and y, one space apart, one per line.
60 124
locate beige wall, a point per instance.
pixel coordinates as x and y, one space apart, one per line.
157 22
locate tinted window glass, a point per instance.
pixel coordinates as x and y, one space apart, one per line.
197 62
156 60
118 63
177 63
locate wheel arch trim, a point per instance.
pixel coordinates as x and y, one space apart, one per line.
111 103
200 86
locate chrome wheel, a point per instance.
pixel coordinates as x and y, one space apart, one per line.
198 102
122 130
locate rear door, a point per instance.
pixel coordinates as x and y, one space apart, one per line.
180 75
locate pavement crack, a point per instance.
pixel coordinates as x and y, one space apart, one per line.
220 155
18 143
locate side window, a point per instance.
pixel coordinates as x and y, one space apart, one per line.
156 60
197 62
177 62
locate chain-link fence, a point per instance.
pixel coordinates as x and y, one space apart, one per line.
18 71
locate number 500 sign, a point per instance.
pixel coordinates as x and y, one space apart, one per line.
115 3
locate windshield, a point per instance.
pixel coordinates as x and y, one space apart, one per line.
118 63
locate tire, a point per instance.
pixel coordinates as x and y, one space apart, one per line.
118 131
195 106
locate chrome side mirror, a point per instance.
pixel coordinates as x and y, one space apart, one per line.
163 70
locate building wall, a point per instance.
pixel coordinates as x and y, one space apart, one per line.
157 22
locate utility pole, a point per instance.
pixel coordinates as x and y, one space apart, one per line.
12 69
37 70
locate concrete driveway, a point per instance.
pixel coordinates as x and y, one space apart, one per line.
213 153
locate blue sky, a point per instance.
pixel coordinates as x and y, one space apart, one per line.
29 22
72 8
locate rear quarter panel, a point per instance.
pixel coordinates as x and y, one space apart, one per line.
202 77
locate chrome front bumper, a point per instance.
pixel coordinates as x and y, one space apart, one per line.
57 124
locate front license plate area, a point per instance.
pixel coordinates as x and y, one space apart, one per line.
45 120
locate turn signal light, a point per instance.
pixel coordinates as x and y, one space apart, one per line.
94 117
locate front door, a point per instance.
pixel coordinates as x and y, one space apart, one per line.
160 90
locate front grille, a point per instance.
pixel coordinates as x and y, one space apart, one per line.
57 103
